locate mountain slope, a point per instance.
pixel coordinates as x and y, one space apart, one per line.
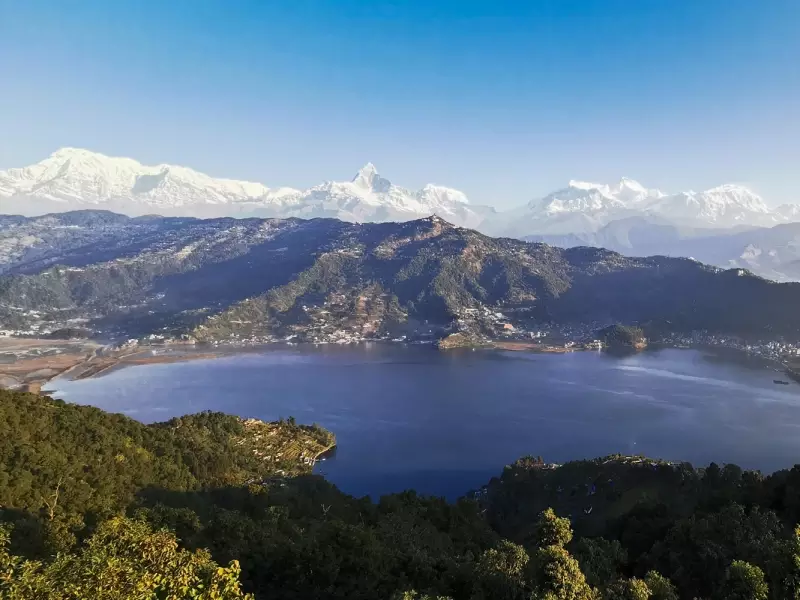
326 279
583 208
722 206
579 208
772 253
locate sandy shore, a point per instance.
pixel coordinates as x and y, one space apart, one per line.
28 364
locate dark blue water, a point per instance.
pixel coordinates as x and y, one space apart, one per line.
444 423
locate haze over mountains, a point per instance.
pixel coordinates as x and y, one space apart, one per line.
625 216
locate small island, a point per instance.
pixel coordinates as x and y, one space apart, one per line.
463 339
622 337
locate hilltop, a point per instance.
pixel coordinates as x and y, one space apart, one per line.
327 280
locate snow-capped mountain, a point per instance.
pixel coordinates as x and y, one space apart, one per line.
75 177
370 197
582 208
578 208
72 178
720 207
790 212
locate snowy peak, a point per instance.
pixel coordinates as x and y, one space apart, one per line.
727 205
738 195
593 199
72 178
366 175
625 186
584 207
440 195
632 189
72 175
369 180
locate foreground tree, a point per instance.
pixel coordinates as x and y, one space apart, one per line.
627 589
601 560
660 587
744 582
558 576
123 560
501 572
552 530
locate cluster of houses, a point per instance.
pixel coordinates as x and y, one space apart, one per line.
773 349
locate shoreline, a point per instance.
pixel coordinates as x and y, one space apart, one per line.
34 373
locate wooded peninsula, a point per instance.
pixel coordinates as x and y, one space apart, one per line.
215 506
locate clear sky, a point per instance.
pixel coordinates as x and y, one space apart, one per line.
503 100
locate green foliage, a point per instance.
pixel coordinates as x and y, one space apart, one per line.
743 582
557 576
123 560
63 466
625 336
627 589
501 572
552 530
697 551
601 560
660 587
67 472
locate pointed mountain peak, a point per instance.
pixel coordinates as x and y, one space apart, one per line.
368 179
631 184
366 175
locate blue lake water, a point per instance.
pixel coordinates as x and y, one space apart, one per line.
444 423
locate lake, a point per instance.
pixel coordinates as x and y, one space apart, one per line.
446 422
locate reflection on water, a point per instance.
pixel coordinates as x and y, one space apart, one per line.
446 422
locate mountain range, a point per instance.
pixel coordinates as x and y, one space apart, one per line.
626 216
72 178
327 280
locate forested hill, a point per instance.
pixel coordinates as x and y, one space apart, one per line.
234 279
94 502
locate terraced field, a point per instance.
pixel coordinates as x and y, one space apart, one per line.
291 448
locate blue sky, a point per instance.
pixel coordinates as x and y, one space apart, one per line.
504 100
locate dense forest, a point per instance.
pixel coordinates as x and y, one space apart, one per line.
99 505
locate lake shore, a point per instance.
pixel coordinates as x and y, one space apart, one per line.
82 359
388 402
30 364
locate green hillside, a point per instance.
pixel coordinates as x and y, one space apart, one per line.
223 279
138 508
